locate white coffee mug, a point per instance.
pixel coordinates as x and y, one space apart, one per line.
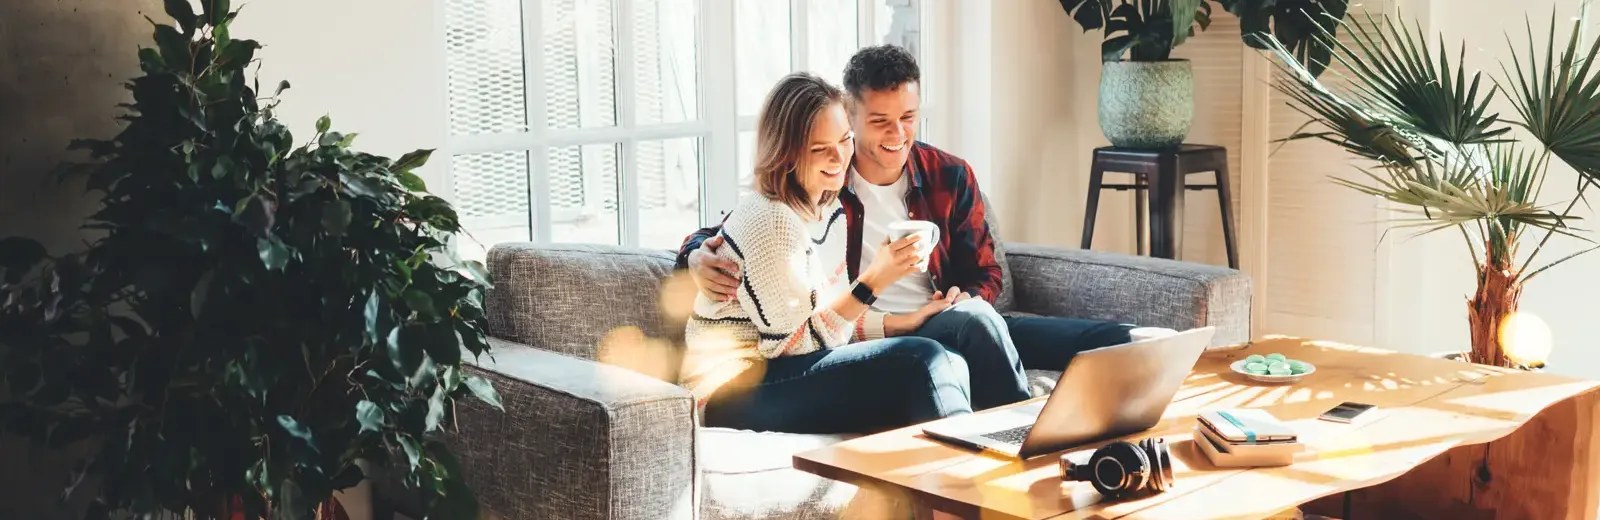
927 230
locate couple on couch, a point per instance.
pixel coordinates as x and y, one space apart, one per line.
810 319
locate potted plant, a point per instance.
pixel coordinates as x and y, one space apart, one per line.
1146 96
255 320
1421 131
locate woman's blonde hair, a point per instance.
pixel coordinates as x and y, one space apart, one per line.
783 132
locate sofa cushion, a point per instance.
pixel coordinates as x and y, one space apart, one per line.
589 301
750 475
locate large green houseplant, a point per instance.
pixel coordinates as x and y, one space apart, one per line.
255 316
1146 96
1420 126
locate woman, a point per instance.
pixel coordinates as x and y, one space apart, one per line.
779 356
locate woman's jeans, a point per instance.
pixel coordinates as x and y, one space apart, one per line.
963 359
865 387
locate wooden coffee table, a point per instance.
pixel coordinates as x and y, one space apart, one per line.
1450 440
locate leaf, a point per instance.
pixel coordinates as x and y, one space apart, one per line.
413 451
411 161
223 167
220 34
348 139
435 410
274 253
484 390
473 339
257 214
406 345
412 182
174 47
290 502
330 139
298 431
282 86
180 12
370 416
216 11
420 302
1183 13
457 499
452 378
373 314
336 217
323 123
443 346
476 272
18 256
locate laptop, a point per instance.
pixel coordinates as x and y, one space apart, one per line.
1104 393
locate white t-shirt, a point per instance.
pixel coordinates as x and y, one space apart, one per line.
884 205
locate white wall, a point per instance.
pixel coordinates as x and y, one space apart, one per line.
374 66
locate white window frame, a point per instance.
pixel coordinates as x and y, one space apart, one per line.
718 126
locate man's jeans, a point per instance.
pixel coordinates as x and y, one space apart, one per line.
865 387
998 348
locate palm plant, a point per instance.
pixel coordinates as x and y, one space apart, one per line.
1427 143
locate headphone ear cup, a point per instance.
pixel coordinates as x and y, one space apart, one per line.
1164 463
1118 469
1160 461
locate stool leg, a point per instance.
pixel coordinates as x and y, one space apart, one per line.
1166 209
1139 197
1092 207
1225 198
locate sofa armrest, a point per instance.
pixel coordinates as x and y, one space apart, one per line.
1151 292
578 439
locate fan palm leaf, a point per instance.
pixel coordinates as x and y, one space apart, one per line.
1559 100
1393 76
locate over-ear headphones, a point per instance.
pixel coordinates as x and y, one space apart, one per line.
1124 469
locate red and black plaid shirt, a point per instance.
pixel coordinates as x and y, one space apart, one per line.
943 191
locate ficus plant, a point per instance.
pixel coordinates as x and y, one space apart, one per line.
253 316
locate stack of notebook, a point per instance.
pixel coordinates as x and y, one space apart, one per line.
1246 437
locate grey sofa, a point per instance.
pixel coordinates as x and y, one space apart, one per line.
586 341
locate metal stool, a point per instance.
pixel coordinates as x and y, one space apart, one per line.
1162 172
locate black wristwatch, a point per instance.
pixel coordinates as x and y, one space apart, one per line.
863 294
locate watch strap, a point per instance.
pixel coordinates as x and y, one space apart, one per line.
863 294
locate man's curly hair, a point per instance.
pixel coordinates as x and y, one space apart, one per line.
881 67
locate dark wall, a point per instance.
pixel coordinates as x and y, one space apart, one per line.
62 66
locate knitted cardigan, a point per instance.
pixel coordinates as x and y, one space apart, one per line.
781 308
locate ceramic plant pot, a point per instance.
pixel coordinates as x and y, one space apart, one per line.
1146 104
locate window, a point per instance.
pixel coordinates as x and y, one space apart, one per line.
603 121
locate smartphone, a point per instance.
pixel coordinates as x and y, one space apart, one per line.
1346 412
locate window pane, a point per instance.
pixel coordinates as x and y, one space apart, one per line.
832 37
669 191
580 63
583 194
761 50
747 160
491 197
483 51
899 22
664 55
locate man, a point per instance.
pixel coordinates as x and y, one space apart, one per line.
894 177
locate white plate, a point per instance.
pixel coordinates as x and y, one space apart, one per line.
1238 368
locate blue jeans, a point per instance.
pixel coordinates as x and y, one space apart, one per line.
998 348
865 387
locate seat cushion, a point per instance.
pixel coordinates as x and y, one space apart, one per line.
748 475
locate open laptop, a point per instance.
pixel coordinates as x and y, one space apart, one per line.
1106 392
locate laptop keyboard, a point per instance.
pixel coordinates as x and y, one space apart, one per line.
1011 436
